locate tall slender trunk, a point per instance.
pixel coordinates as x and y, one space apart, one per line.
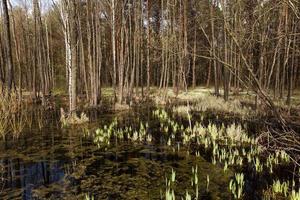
73 43
121 65
194 58
17 51
9 59
148 47
213 46
113 38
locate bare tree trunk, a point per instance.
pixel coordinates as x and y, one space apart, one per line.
194 58
113 38
213 46
82 57
73 43
225 70
2 61
291 67
17 50
65 19
148 48
121 65
9 59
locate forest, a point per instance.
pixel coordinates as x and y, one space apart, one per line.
150 99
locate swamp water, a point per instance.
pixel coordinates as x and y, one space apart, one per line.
146 153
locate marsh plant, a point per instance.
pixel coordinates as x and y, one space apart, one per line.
230 147
236 185
280 187
235 134
277 158
7 105
4 125
68 119
207 183
258 165
170 182
188 196
295 195
17 123
195 181
29 119
170 185
88 197
105 135
40 118
161 114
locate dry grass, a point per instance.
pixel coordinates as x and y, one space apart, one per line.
11 114
72 119
202 100
218 104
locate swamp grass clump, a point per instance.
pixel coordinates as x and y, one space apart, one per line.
209 102
72 119
88 197
279 157
295 195
17 124
282 190
236 185
103 136
4 119
7 108
12 114
170 193
235 133
280 187
161 114
170 184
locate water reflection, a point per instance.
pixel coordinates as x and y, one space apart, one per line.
28 176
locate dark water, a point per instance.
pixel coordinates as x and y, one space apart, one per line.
57 163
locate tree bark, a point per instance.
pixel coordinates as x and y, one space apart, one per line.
9 59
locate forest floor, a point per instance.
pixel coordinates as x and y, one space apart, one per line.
199 92
204 95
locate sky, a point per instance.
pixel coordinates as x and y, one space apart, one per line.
45 4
